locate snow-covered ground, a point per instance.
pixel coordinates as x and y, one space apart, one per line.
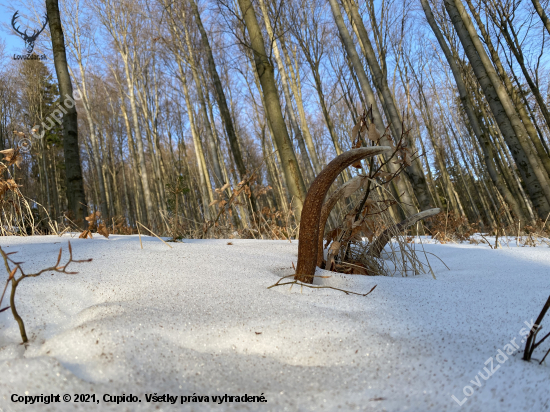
198 320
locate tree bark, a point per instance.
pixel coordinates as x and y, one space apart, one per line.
404 195
542 14
296 87
508 121
287 95
265 71
530 129
220 94
206 189
474 121
380 80
73 170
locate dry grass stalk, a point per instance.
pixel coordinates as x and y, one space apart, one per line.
150 231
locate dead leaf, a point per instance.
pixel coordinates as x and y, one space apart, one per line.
373 134
86 234
333 251
354 185
335 247
102 230
12 156
8 153
356 270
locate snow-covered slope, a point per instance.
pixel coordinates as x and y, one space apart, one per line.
198 320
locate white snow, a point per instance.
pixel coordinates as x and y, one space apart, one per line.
199 319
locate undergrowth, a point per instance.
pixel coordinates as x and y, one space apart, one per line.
14 280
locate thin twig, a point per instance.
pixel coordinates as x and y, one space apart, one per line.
544 357
307 285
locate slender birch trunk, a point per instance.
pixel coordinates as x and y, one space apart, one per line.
218 175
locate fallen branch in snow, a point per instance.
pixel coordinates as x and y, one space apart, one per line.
308 285
530 345
15 281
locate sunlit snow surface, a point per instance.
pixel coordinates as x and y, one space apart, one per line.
199 319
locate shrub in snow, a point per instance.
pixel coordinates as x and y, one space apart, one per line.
531 343
12 277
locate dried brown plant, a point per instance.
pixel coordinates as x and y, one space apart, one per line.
14 280
94 224
16 217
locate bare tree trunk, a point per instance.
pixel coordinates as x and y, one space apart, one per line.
439 158
96 159
220 95
218 175
297 90
149 213
265 72
73 170
369 95
92 184
206 189
542 158
508 121
474 121
286 92
105 176
505 26
390 107
139 198
130 210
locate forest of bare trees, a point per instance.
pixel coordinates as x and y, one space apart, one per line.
217 114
